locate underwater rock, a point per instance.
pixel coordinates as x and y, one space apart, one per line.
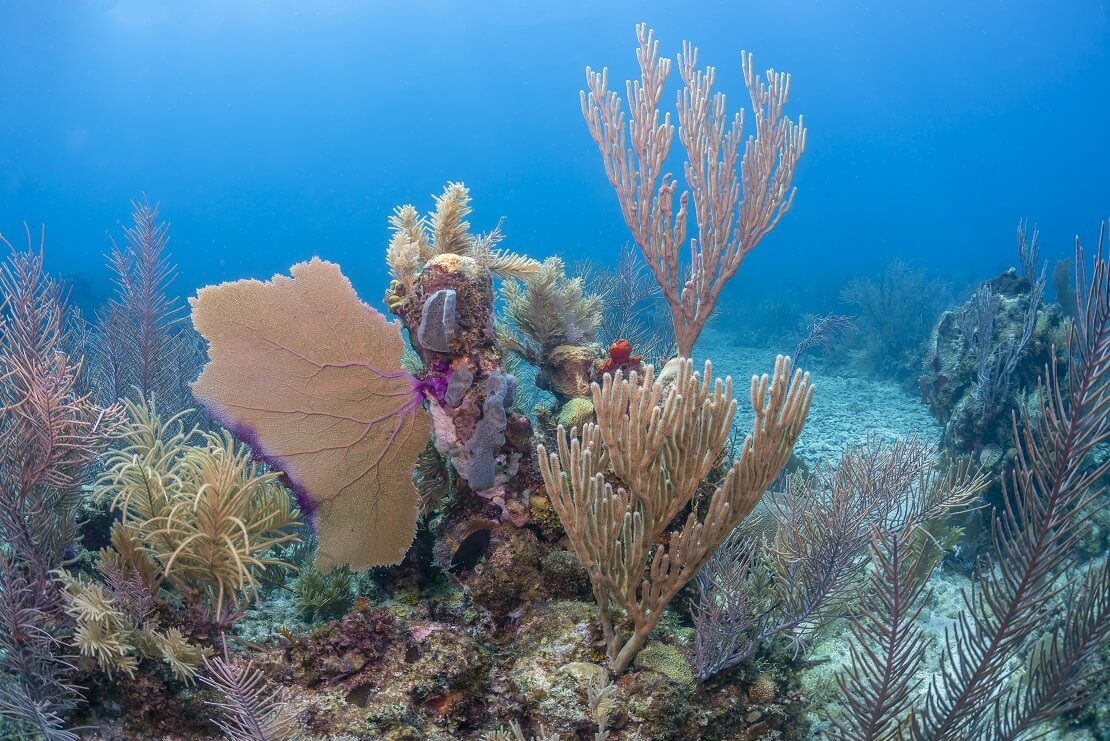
451 306
510 575
950 382
448 309
566 371
564 576
550 636
343 648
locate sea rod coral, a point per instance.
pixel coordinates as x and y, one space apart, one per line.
661 442
734 210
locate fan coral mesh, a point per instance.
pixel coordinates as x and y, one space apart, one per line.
311 377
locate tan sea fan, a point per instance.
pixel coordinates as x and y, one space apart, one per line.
311 378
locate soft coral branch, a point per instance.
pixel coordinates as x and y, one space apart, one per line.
48 435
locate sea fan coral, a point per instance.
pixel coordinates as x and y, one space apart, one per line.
311 377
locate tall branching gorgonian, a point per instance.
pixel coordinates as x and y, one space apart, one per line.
1030 602
49 433
140 348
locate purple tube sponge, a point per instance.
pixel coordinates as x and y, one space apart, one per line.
489 432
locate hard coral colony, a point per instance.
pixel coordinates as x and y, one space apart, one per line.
714 563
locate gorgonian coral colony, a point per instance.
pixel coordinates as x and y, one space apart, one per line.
146 541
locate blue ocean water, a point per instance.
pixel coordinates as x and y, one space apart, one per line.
271 131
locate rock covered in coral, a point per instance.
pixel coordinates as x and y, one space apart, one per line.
566 371
449 311
444 296
478 450
510 574
342 650
951 382
668 661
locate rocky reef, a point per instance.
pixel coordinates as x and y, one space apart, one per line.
983 362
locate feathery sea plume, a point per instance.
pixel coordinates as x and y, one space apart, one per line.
248 711
1027 597
49 433
205 514
549 310
808 573
141 348
1047 507
417 239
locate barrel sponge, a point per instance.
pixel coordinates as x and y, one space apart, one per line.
311 378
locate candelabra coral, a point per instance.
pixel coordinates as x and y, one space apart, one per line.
735 208
661 442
